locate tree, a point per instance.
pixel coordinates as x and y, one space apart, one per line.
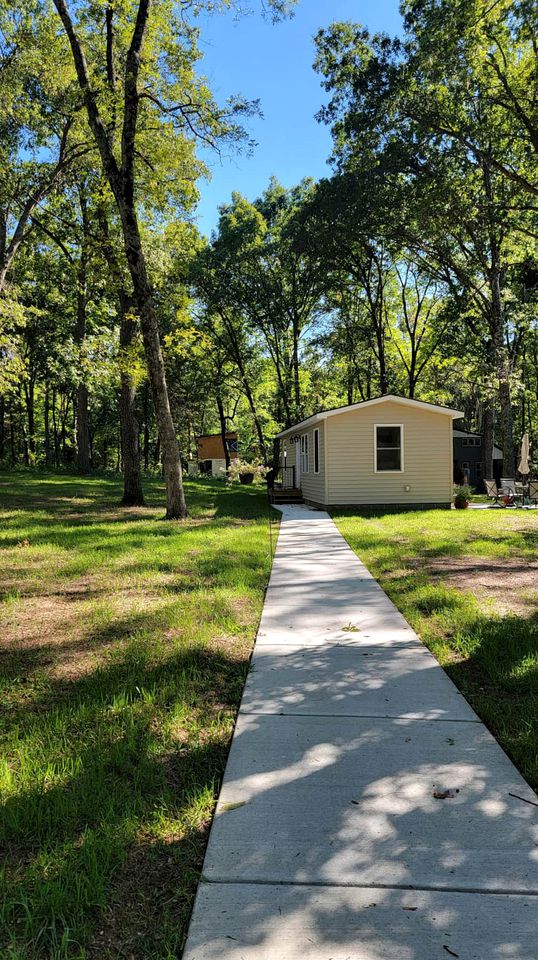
421 114
41 137
260 269
159 85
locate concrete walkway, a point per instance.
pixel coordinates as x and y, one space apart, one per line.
332 840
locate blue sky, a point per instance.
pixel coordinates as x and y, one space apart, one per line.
252 57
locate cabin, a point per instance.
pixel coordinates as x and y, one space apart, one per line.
391 451
468 459
211 458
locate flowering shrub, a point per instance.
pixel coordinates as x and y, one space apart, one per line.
240 468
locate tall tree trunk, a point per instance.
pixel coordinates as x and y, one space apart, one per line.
29 392
12 446
2 428
132 480
81 401
83 433
507 428
22 424
487 440
501 360
46 418
295 364
121 179
502 372
55 430
175 497
146 428
222 422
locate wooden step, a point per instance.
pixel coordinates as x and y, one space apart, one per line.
286 496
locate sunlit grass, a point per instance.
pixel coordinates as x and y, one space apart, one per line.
126 644
491 653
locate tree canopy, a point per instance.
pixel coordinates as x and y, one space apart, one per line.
412 268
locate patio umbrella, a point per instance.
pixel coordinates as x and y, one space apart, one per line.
523 467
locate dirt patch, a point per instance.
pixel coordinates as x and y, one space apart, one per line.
63 635
511 586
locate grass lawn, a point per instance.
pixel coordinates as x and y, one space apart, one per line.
467 581
124 644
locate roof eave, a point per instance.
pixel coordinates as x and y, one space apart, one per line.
405 401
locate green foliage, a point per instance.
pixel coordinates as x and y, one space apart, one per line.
462 494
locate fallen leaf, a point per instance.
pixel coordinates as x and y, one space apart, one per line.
233 806
445 794
409 908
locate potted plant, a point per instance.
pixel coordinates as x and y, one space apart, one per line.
246 472
462 497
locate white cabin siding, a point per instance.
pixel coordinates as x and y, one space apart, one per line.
351 476
313 484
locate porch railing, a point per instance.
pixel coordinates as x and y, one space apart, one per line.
285 478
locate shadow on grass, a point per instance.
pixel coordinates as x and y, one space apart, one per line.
117 794
109 776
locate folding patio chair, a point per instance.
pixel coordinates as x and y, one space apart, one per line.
492 491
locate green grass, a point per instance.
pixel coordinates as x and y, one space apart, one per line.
124 649
486 641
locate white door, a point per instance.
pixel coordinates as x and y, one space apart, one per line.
298 464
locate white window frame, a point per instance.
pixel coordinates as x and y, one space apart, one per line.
303 453
402 462
315 436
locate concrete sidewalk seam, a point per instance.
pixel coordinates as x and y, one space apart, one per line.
427 888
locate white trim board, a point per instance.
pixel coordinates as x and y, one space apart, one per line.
388 398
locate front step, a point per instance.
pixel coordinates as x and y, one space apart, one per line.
286 496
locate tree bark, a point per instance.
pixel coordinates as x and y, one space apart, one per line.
501 360
81 399
146 428
133 494
12 446
487 440
222 422
55 430
295 364
46 417
29 392
2 428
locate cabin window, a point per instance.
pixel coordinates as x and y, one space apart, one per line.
388 448
304 453
316 451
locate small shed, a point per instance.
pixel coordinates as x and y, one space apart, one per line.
211 455
387 451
